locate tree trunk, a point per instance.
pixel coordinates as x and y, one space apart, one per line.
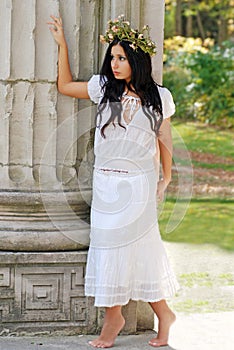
223 30
200 26
178 18
189 19
189 26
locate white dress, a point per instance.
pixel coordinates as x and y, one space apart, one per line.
126 258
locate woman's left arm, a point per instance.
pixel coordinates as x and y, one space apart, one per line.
166 149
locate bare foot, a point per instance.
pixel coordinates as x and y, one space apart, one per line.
164 324
110 330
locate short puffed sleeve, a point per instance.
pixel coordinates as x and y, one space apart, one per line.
94 88
168 104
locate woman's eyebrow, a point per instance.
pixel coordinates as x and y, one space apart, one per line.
118 54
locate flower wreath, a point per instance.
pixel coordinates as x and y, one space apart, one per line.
122 30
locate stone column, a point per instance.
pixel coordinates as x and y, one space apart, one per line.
46 163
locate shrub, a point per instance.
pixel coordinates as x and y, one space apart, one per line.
200 76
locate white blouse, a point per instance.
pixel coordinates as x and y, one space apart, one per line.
95 94
133 146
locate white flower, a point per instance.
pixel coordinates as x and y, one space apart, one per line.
102 39
115 29
190 87
133 46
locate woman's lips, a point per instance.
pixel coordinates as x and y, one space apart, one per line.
115 72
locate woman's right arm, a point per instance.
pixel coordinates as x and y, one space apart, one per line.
66 85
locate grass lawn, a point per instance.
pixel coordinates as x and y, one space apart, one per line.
203 220
205 139
206 221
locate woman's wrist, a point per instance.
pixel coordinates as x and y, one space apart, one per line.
166 180
63 46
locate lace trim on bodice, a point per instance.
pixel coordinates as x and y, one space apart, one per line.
131 105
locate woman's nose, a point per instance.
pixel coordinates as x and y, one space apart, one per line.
114 63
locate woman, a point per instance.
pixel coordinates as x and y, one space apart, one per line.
126 258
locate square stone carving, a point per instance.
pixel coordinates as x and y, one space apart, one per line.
77 281
42 292
40 295
47 293
79 309
5 308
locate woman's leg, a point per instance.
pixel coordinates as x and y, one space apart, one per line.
113 323
165 319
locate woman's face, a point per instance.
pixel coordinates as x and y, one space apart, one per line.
119 64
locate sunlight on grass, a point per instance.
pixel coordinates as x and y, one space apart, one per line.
206 221
207 139
196 278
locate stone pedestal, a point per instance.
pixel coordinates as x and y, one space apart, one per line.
46 157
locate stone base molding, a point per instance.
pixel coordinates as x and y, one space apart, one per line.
42 222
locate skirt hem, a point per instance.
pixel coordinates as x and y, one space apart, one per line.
122 303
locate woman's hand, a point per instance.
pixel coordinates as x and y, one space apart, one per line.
162 185
65 83
57 31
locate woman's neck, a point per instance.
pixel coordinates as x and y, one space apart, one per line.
130 92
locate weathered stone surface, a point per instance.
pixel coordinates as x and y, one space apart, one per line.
154 17
22 44
6 98
45 135
71 15
5 38
21 134
145 316
130 314
67 133
46 51
55 221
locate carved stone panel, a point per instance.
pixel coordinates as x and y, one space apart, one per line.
45 295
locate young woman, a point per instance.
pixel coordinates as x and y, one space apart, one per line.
126 258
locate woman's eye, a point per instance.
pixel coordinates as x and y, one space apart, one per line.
121 58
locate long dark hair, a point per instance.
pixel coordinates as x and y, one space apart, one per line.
141 83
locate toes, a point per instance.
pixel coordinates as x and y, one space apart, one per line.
98 344
156 344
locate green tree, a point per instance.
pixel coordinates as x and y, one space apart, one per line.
200 18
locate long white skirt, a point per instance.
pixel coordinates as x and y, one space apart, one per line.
126 258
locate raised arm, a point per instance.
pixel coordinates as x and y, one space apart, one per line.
166 148
66 85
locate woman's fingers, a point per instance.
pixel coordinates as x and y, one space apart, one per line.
56 29
57 22
161 190
60 20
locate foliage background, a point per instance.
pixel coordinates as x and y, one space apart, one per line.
198 69
198 66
